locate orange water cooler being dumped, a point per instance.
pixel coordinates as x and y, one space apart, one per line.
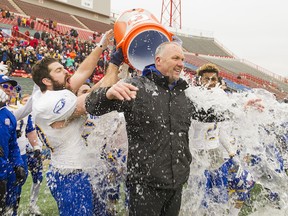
139 33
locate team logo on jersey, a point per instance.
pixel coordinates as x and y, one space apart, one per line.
59 106
7 121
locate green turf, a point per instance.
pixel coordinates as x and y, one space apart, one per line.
46 202
48 205
258 199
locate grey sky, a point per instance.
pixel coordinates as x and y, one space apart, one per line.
253 30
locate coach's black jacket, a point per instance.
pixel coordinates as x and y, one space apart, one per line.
158 122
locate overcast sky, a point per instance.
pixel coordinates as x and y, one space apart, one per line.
253 30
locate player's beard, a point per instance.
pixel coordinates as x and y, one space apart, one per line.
57 85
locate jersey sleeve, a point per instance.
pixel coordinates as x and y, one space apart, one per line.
55 106
23 111
30 125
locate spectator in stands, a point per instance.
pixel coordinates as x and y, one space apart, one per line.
54 25
28 22
43 35
33 42
19 21
50 24
8 14
23 21
49 41
27 33
94 35
12 16
82 48
58 45
31 59
50 52
57 55
32 25
18 56
69 61
72 54
15 28
106 57
73 33
37 35
3 13
78 59
100 63
4 53
40 54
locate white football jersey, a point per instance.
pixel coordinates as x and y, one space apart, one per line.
67 145
204 135
21 125
212 135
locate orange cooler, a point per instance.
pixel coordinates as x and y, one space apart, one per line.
139 33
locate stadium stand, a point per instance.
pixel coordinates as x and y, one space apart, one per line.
5 4
194 60
46 13
94 25
203 45
238 67
235 86
64 20
199 50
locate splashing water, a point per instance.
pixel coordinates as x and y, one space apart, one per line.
256 135
105 160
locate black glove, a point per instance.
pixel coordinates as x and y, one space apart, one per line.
37 154
3 190
117 56
18 88
20 175
1 152
18 133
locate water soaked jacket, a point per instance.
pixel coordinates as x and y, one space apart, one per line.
158 122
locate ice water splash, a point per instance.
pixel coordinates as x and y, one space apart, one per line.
105 160
256 134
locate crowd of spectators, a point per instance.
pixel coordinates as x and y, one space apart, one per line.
21 21
25 22
22 54
6 14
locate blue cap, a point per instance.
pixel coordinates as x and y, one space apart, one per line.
6 79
